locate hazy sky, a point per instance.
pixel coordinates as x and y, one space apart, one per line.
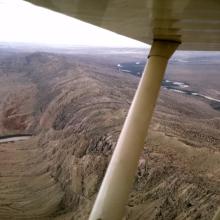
23 22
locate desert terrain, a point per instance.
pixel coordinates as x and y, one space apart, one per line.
71 104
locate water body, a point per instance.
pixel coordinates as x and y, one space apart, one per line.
174 86
136 68
13 138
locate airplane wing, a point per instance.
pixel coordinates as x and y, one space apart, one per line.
196 23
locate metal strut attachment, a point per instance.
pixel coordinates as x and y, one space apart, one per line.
113 194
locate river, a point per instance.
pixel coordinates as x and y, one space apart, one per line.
11 138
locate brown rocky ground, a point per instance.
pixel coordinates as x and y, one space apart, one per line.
75 106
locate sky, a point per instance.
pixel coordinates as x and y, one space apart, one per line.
23 22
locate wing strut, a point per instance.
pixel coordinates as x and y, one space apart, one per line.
113 194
